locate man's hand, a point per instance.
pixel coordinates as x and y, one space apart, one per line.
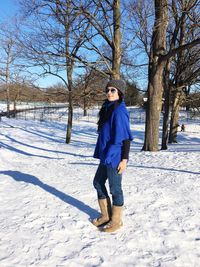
122 166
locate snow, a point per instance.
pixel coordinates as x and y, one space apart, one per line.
47 199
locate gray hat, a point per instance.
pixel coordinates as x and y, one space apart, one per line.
119 84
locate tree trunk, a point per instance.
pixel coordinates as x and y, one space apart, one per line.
85 102
155 76
70 101
187 92
116 51
7 88
14 108
165 130
69 70
84 106
178 93
153 110
175 117
166 106
70 119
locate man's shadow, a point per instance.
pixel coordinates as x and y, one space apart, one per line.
27 178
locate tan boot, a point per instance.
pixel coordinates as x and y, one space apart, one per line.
116 221
105 207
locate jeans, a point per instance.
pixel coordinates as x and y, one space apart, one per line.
114 179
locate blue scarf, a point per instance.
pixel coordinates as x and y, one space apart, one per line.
111 136
106 111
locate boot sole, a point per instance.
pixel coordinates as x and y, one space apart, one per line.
112 229
101 224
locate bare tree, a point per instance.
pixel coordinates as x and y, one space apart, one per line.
152 46
155 82
185 67
158 59
105 18
139 25
88 91
57 35
12 71
186 63
9 54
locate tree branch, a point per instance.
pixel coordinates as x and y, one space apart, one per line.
174 51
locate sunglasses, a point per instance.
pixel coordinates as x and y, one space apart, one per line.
112 90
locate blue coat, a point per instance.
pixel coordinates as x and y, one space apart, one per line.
110 140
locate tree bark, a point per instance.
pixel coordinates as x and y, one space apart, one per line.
116 51
153 110
175 117
69 70
84 104
178 92
7 88
166 106
155 76
70 100
166 112
70 118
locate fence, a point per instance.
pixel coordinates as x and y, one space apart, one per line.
59 112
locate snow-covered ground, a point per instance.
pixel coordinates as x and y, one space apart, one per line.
47 199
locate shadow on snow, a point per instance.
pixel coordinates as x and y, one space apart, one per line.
11 148
35 147
160 168
30 179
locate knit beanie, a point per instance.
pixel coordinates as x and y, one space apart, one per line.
118 84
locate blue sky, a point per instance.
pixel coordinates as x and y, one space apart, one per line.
7 9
